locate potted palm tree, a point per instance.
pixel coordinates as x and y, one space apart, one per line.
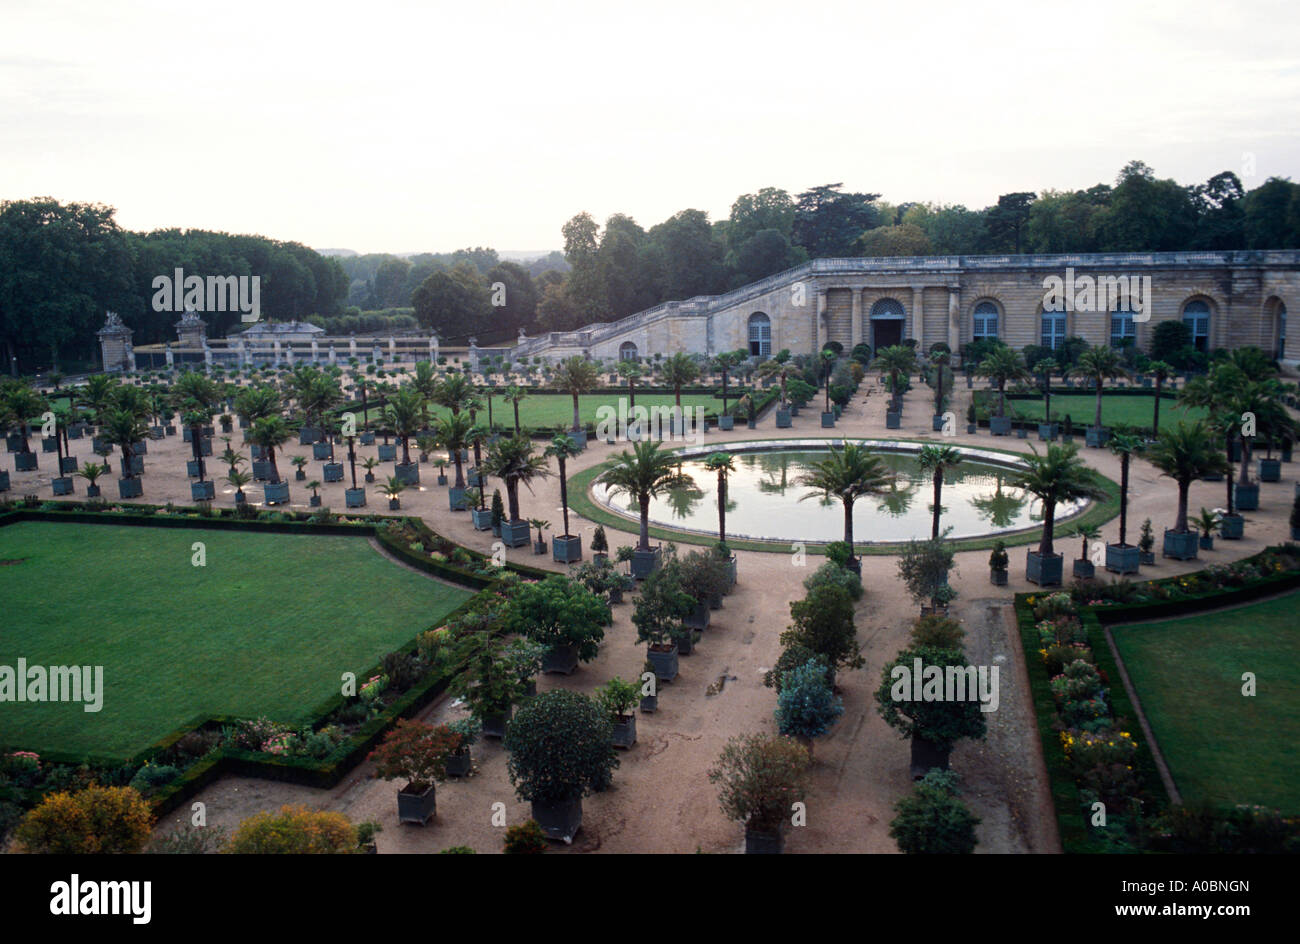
576 376
998 564
721 463
239 479
561 750
1056 476
619 698
1044 369
91 471
642 474
1084 569
512 460
453 433
1097 365
124 429
442 470
939 374
370 463
416 753
393 489
781 372
1122 557
314 501
480 516
353 497
1207 521
539 525
759 778
1002 365
270 433
404 412
847 474
1184 454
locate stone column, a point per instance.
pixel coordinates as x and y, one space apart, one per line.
315 351
855 327
916 317
288 354
207 355
954 318
171 358
334 357
819 334
243 352
275 346
352 346
392 349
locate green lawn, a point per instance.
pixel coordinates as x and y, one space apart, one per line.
1115 411
266 628
556 409
1219 744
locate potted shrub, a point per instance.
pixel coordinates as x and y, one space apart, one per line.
498 512
1206 522
618 698
998 564
658 615
490 684
934 726
1146 543
460 762
806 706
602 579
1084 569
91 471
933 820
560 614
416 753
480 516
759 777
599 544
561 750
707 578
442 471
314 501
923 568
1002 366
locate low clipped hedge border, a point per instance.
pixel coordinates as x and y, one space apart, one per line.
580 501
1070 816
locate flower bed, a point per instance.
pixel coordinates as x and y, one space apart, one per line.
1092 747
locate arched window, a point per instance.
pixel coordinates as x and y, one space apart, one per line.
986 321
1281 330
760 335
1053 329
1196 315
887 308
627 351
1123 330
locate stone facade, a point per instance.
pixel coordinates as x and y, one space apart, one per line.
115 348
936 298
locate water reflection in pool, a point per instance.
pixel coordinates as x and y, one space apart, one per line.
764 501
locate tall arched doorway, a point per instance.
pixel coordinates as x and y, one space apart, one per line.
886 323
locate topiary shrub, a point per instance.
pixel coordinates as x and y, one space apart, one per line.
932 820
941 722
561 748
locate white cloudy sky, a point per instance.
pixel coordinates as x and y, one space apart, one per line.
384 125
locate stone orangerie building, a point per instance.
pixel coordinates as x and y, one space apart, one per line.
1227 299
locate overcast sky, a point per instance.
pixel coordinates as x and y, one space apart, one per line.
401 126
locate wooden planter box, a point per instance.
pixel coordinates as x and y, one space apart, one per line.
663 662
828 421
308 435
407 473
644 563
926 756
388 453
1246 497
130 488
333 471
893 421
1044 571
998 577
456 498
1232 527
1123 558
354 497
566 548
1084 569
68 465
25 462
559 820
515 533
261 470
1180 545
276 493
417 808
1000 425
203 491
1270 470
494 725
460 763
482 518
561 659
320 450
699 618
726 423
760 841
4 481
62 485
625 731
784 419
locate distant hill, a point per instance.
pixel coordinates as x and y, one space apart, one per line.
514 255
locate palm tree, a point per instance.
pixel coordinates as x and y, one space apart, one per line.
1044 369
25 404
97 395
722 464
90 472
454 392
1160 372
1126 446
425 382
847 474
1099 364
897 361
370 463
642 474
630 370
255 403
563 448
725 362
576 376
514 395
124 429
270 433
393 488
1086 533
1056 476
1002 365
680 370
781 371
238 479
940 359
1186 453
453 433
936 460
512 461
405 413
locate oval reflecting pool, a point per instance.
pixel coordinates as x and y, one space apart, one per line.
764 501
